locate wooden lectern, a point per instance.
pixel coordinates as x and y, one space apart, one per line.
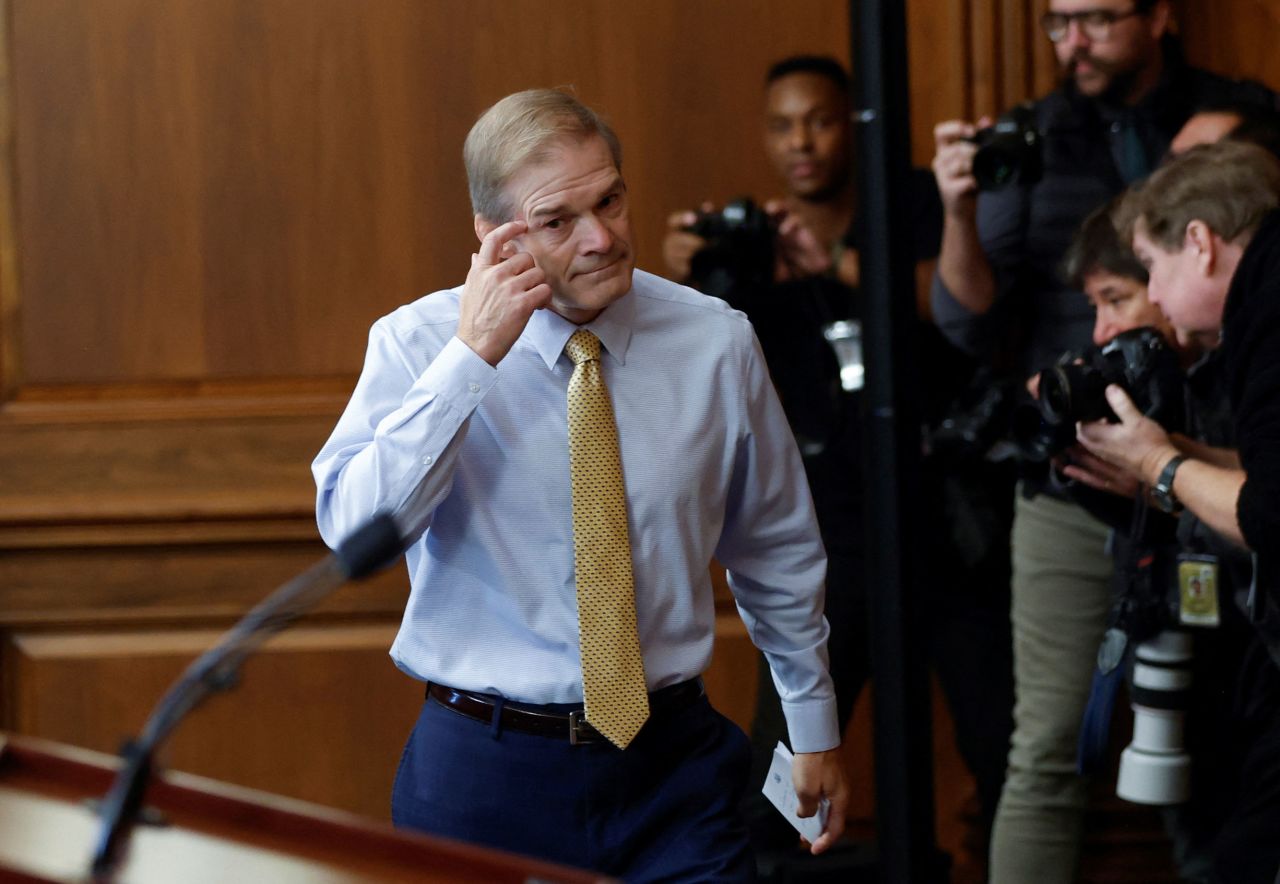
199 830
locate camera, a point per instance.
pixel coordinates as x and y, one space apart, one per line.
739 250
1010 152
741 218
1140 361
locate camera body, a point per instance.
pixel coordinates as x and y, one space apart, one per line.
1140 361
739 250
1009 152
739 218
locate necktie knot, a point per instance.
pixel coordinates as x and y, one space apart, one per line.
582 347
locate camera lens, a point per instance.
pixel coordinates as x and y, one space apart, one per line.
1071 393
1055 395
1155 768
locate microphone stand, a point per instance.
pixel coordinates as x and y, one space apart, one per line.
370 548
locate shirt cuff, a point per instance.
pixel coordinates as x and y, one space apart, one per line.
458 376
812 725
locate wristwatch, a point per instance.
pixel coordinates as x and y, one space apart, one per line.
1162 491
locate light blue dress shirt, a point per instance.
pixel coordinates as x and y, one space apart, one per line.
473 461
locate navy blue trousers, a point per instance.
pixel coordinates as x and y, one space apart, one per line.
666 809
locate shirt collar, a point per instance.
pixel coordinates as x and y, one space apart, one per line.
548 332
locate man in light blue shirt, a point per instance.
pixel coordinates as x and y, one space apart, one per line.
458 428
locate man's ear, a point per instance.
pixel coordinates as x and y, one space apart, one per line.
483 227
1201 240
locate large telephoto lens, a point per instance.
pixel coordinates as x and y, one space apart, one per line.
1155 768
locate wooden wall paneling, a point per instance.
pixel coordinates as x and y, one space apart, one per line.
319 713
986 58
203 217
204 582
940 64
9 325
1044 64
139 471
1238 38
1016 37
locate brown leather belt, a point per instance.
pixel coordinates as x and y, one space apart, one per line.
571 725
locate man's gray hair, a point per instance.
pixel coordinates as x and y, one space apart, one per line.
1228 185
519 130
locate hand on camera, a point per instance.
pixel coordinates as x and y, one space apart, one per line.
797 252
1136 444
679 245
1078 463
953 165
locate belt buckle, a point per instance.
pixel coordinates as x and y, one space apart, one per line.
578 725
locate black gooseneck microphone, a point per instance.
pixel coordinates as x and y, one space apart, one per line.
371 547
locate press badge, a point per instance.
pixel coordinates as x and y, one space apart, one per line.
1197 590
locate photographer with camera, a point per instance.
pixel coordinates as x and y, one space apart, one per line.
1207 226
1172 623
1125 92
792 267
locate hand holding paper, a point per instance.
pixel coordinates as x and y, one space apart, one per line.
780 789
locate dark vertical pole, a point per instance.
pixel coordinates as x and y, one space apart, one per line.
904 757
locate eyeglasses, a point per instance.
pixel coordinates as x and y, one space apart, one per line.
1095 24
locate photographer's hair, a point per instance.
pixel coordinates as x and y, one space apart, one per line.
1230 186
521 129
819 65
1098 248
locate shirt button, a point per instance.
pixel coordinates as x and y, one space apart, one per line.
426 461
475 388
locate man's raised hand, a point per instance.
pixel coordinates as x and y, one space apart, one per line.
502 290
953 165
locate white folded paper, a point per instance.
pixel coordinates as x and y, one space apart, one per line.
781 791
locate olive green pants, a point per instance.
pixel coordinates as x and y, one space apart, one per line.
1060 599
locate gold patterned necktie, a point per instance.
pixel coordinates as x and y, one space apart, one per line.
613 684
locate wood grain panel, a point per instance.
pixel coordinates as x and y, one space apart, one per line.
146 471
1044 64
10 357
1239 37
320 713
237 189
193 583
939 67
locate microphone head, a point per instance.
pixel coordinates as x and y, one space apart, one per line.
370 548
